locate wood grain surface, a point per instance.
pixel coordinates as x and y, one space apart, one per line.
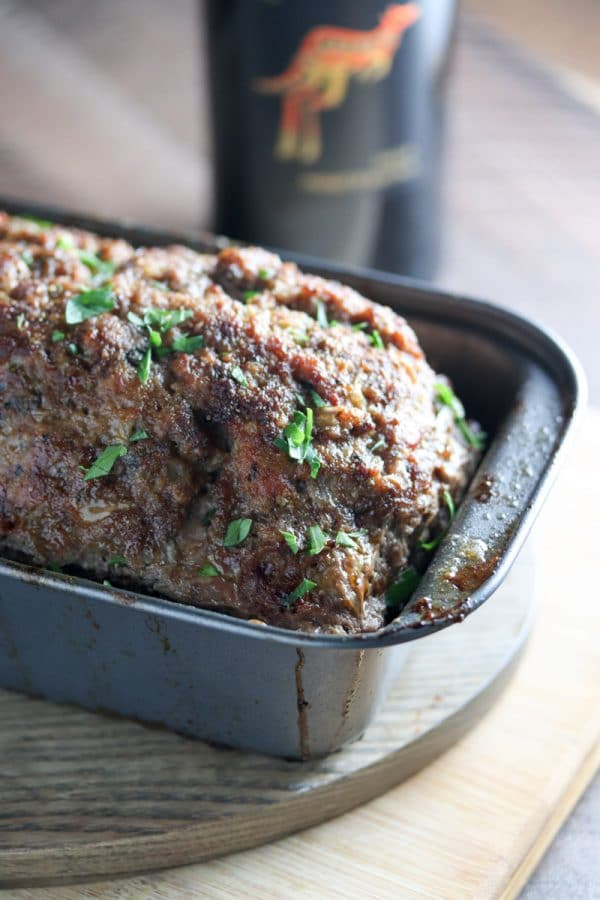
475 822
83 795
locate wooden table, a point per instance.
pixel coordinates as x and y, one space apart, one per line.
88 100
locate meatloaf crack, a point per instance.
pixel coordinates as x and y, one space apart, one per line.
221 430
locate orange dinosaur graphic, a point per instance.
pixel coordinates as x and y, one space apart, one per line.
318 76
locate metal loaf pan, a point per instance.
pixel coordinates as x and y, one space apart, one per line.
282 692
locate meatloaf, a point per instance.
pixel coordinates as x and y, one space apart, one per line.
221 430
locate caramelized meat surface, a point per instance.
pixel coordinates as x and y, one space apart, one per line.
222 430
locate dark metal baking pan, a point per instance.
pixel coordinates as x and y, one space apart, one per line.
283 692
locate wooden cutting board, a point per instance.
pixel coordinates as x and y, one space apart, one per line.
474 823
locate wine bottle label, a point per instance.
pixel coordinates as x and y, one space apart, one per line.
318 78
391 166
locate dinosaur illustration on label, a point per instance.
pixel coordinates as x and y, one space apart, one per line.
318 76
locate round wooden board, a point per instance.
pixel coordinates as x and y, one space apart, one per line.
85 795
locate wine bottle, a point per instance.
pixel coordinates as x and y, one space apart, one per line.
327 126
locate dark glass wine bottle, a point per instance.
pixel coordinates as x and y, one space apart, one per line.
327 126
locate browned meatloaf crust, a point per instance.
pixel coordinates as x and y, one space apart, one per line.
210 437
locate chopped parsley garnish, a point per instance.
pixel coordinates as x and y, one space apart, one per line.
237 532
431 545
139 436
163 319
376 340
103 465
299 337
348 538
95 264
188 343
303 588
117 561
316 399
237 375
27 258
208 517
209 571
317 540
21 321
248 295
106 583
322 314
135 319
57 336
159 285
296 441
446 395
264 274
378 444
41 223
143 368
156 322
291 540
88 304
359 326
73 349
400 591
65 242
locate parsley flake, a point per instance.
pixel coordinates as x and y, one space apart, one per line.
21 321
209 570
378 444
348 538
187 343
237 532
73 349
143 369
296 441
65 242
317 540
57 336
300 591
446 395
103 465
139 436
322 314
317 400
41 223
376 340
291 540
400 591
88 304
135 319
237 375
163 319
431 545
264 274
359 326
95 264
117 561
248 295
